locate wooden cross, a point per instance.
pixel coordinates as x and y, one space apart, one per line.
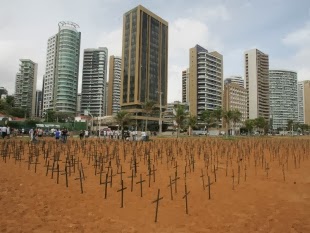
122 191
157 202
81 182
170 185
66 173
203 179
132 176
140 182
175 181
185 197
233 179
209 187
106 185
153 171
214 171
121 173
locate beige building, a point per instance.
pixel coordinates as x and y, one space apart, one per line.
114 93
257 84
185 86
25 86
205 80
144 73
307 102
235 98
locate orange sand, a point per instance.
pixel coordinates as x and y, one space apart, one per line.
33 202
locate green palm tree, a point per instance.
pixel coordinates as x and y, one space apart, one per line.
249 125
236 117
208 118
180 116
191 122
149 108
122 118
218 114
227 116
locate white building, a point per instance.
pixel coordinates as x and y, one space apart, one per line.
300 98
235 79
283 97
94 81
25 86
114 96
185 86
205 80
257 84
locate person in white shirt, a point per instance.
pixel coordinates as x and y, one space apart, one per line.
3 132
8 131
31 134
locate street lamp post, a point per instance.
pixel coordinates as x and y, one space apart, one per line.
160 112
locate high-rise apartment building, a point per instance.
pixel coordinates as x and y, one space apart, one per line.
25 86
300 98
282 97
60 81
38 111
257 84
205 80
3 92
185 86
115 66
307 102
94 81
78 104
235 98
235 79
144 60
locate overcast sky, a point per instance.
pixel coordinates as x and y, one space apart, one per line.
280 28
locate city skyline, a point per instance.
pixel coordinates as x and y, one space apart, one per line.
218 25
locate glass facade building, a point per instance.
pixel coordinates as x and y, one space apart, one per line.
145 59
60 82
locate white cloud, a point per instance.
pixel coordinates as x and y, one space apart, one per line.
300 60
185 33
299 37
213 13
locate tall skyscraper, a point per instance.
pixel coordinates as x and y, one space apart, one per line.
185 86
25 86
205 80
283 97
235 79
300 98
114 95
235 98
307 101
257 84
94 81
38 111
144 60
60 82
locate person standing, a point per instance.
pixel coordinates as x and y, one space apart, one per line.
8 131
57 135
31 131
3 132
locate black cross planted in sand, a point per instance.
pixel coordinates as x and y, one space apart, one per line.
233 179
121 172
81 181
106 185
66 174
209 187
185 197
122 191
132 176
170 185
203 179
157 203
175 180
140 182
